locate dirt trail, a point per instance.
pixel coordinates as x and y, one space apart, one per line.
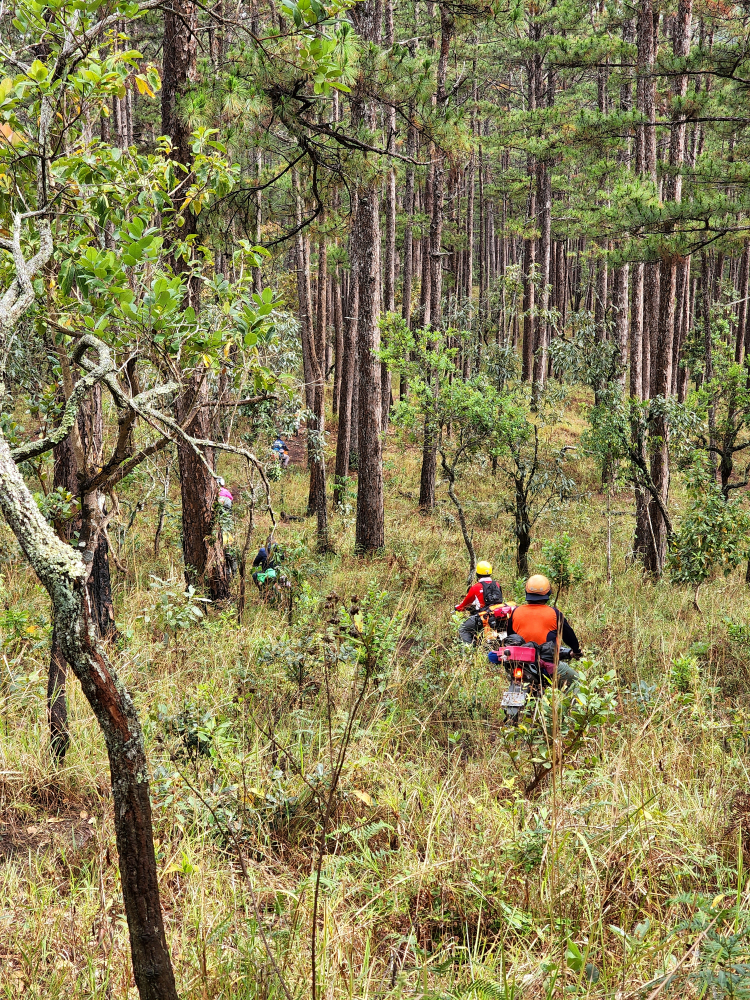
297 447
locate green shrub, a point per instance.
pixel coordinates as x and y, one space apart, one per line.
684 674
558 565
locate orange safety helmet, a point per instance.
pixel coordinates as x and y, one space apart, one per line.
538 589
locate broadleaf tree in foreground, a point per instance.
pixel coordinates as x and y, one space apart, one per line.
85 269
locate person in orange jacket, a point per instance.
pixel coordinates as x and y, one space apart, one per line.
535 621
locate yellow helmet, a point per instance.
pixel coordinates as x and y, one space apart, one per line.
484 568
538 589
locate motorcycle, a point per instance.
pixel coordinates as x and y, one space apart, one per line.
495 623
528 675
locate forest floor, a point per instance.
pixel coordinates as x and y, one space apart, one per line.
442 875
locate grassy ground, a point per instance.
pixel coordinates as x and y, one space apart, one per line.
440 876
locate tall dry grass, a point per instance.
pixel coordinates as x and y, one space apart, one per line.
438 873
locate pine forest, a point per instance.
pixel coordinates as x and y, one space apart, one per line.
374 480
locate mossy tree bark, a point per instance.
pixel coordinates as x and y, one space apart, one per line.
69 475
63 574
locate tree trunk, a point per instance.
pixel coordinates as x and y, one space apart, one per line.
202 544
429 464
424 293
645 290
469 278
304 300
321 310
656 539
389 284
65 476
646 166
406 292
529 261
435 242
389 275
89 435
544 194
100 591
257 280
349 357
57 703
354 431
338 325
663 358
600 296
436 222
636 333
370 524
743 289
530 243
63 575
708 349
651 304
620 306
682 323
313 348
180 48
429 448
178 68
622 273
451 477
481 265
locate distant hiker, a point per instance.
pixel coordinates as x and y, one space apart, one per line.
281 452
225 500
225 496
536 622
266 564
485 593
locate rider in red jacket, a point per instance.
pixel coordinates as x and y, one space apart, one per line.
482 594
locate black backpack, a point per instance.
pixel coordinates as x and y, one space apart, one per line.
491 593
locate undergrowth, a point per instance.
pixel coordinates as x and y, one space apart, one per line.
444 870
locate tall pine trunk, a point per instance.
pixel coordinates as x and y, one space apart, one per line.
389 277
370 523
429 447
470 181
664 343
349 366
744 287
544 195
408 262
426 286
370 526
645 287
313 352
338 326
